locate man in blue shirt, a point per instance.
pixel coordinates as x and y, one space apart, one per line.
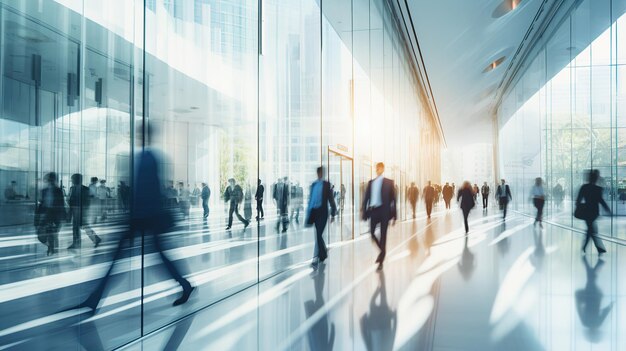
317 214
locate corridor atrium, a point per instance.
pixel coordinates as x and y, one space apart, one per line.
312 175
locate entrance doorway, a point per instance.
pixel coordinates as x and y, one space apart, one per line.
340 176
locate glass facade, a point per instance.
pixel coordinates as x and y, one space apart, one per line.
564 116
244 89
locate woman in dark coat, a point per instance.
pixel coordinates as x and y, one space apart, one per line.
588 202
466 199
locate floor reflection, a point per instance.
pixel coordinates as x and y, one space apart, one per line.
379 324
467 263
321 336
589 302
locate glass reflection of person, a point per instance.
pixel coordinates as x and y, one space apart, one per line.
233 195
379 324
258 196
589 302
79 210
321 336
50 213
588 204
148 216
10 193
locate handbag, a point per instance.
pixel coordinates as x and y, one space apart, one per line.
581 211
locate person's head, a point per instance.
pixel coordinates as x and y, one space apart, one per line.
258 181
320 172
50 178
180 184
594 175
13 183
467 185
412 183
77 179
429 183
502 181
203 184
286 179
538 181
94 180
485 183
447 183
231 181
380 168
102 181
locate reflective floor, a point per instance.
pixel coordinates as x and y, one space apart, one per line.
505 286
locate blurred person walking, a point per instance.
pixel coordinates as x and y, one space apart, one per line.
484 192
79 211
504 196
588 204
379 206
149 216
467 200
429 196
447 193
538 196
50 211
413 194
234 195
258 196
205 194
321 197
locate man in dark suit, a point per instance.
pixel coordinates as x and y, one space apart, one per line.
258 196
321 197
504 196
234 195
79 207
413 194
205 194
429 197
379 205
447 193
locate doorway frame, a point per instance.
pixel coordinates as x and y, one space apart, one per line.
335 151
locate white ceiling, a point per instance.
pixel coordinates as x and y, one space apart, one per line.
458 39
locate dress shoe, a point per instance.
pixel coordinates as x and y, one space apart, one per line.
185 297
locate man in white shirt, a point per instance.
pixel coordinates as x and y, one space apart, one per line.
379 206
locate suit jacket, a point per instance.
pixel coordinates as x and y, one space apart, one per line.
79 202
592 194
413 194
56 211
328 200
388 197
467 199
259 192
506 193
206 193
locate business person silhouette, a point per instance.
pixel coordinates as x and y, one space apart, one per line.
79 210
148 217
320 198
379 206
429 197
467 200
588 204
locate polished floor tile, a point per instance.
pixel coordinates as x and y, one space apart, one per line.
505 286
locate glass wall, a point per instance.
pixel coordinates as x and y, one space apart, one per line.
567 105
229 97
